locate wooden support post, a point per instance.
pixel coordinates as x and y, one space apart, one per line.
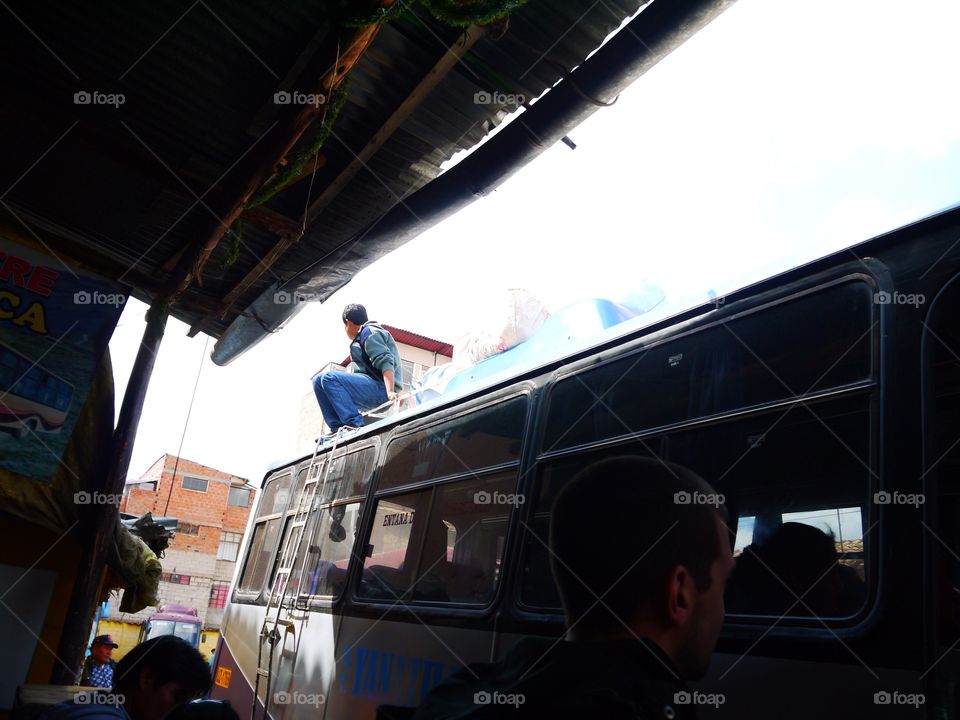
98 524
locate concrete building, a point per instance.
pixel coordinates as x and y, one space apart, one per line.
417 355
212 508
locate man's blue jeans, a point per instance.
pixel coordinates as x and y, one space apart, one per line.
343 395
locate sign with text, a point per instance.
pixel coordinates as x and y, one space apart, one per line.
55 323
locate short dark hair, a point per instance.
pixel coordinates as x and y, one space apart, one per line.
641 530
355 313
169 659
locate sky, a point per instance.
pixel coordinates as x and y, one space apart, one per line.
775 136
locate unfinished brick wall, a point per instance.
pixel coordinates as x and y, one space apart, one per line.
190 554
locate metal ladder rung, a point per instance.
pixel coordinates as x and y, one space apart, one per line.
311 493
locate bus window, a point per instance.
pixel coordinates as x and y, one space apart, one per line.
184 630
330 550
348 476
482 439
440 544
739 364
262 549
274 497
796 483
797 487
942 476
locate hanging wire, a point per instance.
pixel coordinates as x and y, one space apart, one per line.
185 424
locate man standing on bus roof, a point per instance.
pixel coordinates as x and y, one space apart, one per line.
98 667
641 575
376 377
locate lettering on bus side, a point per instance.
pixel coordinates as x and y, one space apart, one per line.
403 518
387 677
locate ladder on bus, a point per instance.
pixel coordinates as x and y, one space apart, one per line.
291 565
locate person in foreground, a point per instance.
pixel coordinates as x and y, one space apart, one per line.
641 562
150 681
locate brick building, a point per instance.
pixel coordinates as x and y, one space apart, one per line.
212 508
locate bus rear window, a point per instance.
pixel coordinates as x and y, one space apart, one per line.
275 494
259 556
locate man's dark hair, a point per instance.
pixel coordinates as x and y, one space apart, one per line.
355 313
619 527
169 659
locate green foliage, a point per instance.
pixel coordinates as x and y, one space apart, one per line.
308 150
458 13
232 252
461 13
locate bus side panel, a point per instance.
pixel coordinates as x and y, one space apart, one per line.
397 663
739 686
237 655
301 679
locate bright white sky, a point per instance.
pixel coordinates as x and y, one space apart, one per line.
780 133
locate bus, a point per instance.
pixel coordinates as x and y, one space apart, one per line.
824 399
172 619
33 399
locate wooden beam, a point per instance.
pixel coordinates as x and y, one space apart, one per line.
451 57
277 223
324 73
273 221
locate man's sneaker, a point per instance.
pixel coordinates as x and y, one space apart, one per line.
344 431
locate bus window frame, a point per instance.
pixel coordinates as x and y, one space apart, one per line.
526 389
320 602
876 277
261 596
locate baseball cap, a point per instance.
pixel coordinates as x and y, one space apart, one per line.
104 640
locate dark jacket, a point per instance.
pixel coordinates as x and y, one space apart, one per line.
548 679
92 706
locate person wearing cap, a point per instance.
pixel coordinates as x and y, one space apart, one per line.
98 667
376 377
152 680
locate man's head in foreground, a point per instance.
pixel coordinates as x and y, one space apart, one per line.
640 550
158 675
